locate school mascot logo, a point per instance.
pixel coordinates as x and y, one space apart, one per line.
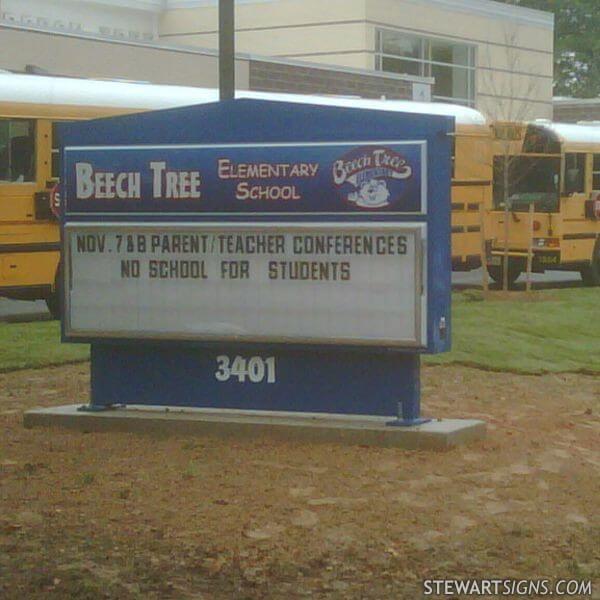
366 175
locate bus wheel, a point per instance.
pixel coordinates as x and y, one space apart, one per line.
496 272
591 273
53 300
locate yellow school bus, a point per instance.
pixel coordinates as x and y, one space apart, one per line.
471 168
555 167
30 107
471 193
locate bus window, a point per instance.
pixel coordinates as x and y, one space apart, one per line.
574 173
17 143
539 141
531 179
596 173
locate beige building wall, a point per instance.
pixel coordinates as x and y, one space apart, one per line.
76 56
512 46
330 32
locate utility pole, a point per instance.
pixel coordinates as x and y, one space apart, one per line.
226 50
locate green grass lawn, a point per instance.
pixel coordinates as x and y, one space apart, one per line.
557 331
30 345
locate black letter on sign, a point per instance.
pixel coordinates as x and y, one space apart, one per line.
130 268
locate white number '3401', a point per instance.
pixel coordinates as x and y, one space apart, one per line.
254 369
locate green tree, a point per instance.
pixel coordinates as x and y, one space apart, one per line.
577 44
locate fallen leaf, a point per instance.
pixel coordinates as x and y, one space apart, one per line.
264 533
336 501
305 518
460 522
496 508
301 492
28 517
214 565
520 469
576 518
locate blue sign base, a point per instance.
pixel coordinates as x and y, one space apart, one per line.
310 381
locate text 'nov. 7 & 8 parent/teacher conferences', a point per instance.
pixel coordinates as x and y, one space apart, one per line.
240 255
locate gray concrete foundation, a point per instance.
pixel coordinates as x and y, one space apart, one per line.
303 427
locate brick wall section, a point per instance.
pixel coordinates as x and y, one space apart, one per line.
276 77
579 112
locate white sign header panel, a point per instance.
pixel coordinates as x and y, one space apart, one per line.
320 283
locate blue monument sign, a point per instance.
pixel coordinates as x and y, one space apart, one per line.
258 255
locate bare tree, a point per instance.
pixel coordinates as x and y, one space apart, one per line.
509 113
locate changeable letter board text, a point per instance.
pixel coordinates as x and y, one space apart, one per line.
354 283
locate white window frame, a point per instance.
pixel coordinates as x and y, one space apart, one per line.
425 62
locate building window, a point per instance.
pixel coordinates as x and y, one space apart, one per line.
17 143
451 64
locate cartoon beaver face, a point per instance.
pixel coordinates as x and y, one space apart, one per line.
373 193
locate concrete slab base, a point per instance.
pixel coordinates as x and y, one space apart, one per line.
304 427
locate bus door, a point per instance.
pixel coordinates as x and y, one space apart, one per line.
533 179
580 209
17 169
29 237
592 209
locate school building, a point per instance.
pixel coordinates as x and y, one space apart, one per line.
489 55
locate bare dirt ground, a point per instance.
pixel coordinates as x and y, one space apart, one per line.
128 516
